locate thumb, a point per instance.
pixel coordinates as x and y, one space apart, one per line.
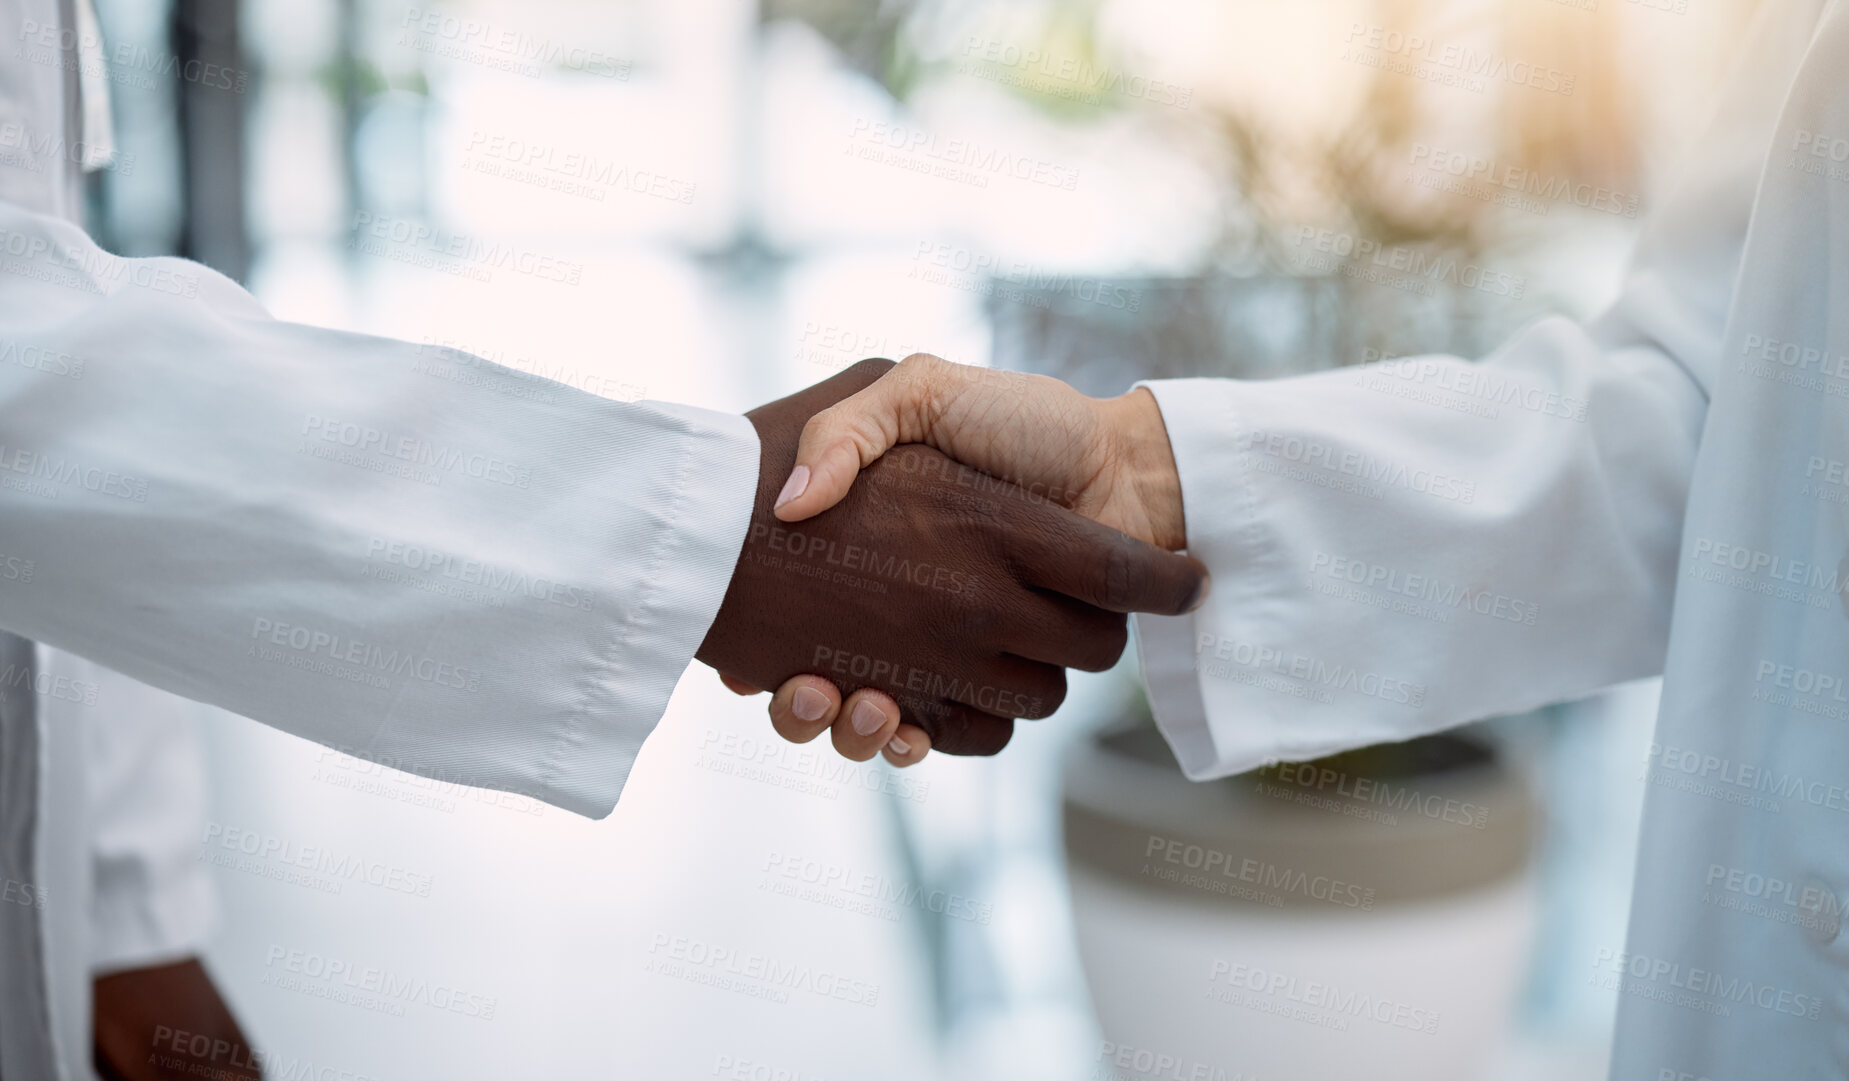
850 435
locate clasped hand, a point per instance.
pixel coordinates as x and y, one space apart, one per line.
926 597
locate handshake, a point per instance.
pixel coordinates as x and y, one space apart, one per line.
1004 525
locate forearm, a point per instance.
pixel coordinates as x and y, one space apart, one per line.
410 554
1405 547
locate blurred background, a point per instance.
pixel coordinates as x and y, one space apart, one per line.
720 201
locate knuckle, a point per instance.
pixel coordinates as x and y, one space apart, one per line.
821 423
922 370
1106 646
1123 576
872 366
1049 697
952 732
978 735
976 623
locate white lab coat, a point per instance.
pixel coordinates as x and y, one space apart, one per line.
145 786
414 556
1419 543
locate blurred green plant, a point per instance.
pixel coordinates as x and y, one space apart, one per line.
881 38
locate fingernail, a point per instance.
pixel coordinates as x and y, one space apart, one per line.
795 486
808 704
868 718
899 746
1201 592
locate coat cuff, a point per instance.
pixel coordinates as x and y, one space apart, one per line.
674 584
1205 419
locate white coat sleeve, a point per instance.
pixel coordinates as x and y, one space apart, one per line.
1410 545
409 554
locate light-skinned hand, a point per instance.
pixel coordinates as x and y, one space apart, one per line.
1106 458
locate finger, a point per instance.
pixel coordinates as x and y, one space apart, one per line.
958 729
867 722
908 746
1011 686
804 707
1103 567
843 439
739 686
1060 631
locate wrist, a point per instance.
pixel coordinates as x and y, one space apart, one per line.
1145 464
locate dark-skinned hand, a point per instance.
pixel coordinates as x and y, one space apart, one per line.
166 1023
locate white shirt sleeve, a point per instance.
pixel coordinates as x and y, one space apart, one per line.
407 553
1407 546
